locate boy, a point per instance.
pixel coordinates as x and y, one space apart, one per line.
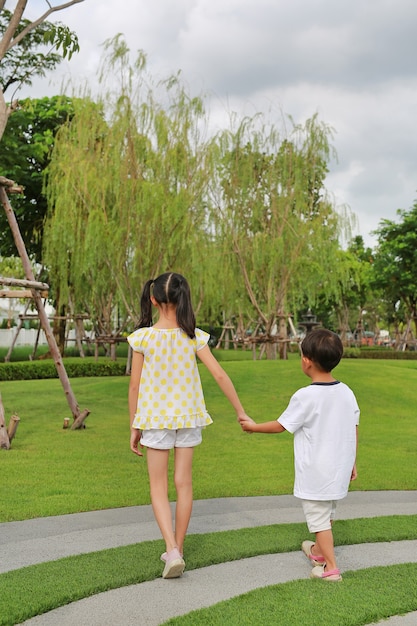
323 418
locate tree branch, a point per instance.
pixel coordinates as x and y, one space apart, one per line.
6 40
12 42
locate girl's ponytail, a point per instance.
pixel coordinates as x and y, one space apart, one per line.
185 313
146 306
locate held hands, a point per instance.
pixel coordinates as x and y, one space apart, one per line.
247 423
135 435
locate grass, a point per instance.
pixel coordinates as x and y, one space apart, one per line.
359 600
56 471
39 588
51 471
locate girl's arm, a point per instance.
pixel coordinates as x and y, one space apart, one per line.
222 379
135 433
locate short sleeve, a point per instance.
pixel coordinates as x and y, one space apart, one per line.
202 339
136 340
293 417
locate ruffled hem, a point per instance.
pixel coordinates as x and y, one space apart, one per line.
171 422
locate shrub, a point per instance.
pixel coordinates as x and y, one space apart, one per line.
352 353
30 370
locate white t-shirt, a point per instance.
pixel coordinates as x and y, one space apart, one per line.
323 418
170 391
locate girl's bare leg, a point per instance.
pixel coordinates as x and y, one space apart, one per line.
158 479
184 486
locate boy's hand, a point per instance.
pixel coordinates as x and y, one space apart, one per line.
135 435
247 423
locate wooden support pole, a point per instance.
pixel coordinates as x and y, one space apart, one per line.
4 437
79 421
19 293
56 355
12 427
17 282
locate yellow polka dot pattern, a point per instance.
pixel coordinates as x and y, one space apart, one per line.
170 391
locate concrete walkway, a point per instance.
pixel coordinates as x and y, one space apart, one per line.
47 539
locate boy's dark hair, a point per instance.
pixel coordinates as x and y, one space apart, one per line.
323 347
169 288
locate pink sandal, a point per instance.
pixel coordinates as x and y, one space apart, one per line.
174 564
313 558
332 575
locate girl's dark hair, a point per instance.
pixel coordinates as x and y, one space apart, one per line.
169 288
323 347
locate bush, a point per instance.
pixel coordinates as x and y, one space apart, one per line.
352 353
408 355
31 370
379 353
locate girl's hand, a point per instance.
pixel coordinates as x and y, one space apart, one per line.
354 474
247 423
135 435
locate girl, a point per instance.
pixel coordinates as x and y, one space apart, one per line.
166 402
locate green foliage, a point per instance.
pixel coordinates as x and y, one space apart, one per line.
273 214
75 368
124 191
395 263
390 355
62 38
25 152
351 353
27 59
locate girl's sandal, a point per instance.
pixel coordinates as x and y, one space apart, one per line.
174 564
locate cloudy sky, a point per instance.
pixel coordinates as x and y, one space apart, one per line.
352 62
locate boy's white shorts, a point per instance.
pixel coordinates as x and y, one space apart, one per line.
319 514
166 439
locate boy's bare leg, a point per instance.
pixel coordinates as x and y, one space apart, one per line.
184 486
324 545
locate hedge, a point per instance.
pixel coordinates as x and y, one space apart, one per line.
30 370
358 353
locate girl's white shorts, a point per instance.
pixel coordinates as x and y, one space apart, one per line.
319 514
166 439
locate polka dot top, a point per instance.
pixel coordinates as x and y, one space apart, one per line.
170 391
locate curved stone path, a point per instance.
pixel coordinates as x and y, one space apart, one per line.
45 539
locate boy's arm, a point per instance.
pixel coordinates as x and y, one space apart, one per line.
249 426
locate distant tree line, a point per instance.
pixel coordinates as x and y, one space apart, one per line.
131 183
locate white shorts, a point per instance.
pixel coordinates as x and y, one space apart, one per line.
319 514
166 439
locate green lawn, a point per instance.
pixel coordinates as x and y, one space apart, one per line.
51 471
55 471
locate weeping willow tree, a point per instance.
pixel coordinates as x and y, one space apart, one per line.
126 188
272 212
